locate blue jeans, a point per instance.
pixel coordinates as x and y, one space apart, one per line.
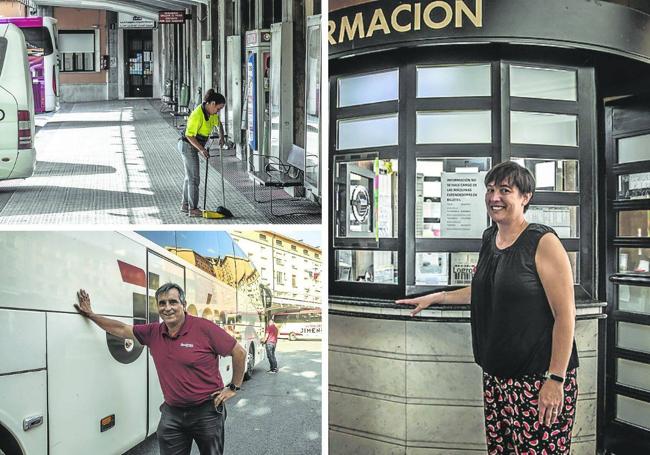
192 177
270 353
179 426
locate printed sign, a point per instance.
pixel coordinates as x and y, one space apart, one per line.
130 21
463 208
463 266
171 17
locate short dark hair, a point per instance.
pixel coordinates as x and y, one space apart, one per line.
515 175
165 288
213 97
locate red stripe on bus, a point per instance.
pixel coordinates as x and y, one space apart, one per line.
132 274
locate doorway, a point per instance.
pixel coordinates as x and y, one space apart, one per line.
138 52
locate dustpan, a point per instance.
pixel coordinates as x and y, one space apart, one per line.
222 211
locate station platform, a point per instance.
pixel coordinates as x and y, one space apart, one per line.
116 162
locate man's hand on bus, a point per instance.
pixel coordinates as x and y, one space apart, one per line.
83 306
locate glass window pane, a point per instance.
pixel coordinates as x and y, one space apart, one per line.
543 83
432 269
634 223
634 299
542 128
453 127
562 218
575 265
634 186
634 260
368 88
634 337
633 411
446 81
428 191
368 266
366 191
367 132
636 148
633 374
552 175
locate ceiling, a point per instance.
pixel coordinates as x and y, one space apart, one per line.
148 8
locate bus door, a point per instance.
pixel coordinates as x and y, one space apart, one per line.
160 271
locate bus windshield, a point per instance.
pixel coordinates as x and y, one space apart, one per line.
38 40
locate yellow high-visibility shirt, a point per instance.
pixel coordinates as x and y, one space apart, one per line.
200 124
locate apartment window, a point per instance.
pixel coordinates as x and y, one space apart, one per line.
78 49
305 252
293 248
278 242
263 237
294 282
279 278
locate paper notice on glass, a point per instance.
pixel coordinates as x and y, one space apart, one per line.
463 266
463 213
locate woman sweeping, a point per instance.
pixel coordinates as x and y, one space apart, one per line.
199 126
523 322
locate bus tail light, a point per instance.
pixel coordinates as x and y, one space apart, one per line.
24 130
107 423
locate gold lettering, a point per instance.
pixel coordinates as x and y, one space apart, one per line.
449 15
378 22
417 15
476 18
351 30
331 28
393 19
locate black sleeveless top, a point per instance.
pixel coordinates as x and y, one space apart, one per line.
512 322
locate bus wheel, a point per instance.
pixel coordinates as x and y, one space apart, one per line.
8 444
250 363
292 337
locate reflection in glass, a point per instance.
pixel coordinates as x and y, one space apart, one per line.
367 132
562 218
368 88
366 204
634 299
552 175
634 186
635 148
543 128
634 223
575 265
368 266
275 97
453 127
313 108
633 411
448 81
428 190
635 337
633 374
634 260
544 83
431 269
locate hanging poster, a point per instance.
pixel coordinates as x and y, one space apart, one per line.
463 213
463 266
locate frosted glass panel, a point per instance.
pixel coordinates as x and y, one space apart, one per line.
635 148
633 374
633 411
545 129
634 337
367 132
545 83
444 81
367 266
454 127
634 299
634 223
552 175
368 88
562 218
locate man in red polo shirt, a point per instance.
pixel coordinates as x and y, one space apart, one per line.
271 341
186 352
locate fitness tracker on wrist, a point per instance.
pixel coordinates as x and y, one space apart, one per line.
555 377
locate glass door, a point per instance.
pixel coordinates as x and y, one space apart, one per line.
627 387
139 63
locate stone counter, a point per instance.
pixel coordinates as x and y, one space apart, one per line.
409 385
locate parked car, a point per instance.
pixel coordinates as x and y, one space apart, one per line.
17 153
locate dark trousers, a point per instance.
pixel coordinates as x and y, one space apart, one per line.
270 353
204 424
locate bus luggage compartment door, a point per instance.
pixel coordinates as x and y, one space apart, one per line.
8 133
87 384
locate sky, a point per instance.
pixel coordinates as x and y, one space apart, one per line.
312 238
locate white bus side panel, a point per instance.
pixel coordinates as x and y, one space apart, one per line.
86 384
22 396
48 268
22 337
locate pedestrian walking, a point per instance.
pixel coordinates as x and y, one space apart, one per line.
185 350
271 341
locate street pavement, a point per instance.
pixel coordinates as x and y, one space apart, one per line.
273 414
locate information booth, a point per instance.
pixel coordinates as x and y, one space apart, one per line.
427 96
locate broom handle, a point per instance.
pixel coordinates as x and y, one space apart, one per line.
223 185
205 192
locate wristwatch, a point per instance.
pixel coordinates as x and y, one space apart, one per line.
233 387
555 377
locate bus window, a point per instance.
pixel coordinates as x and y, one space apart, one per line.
38 38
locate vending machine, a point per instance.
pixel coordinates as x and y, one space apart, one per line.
281 105
313 122
258 56
234 92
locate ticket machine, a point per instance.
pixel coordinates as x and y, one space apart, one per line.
281 106
258 56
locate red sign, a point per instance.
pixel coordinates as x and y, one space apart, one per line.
171 17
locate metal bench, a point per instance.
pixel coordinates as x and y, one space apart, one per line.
183 105
272 173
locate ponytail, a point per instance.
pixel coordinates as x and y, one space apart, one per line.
213 97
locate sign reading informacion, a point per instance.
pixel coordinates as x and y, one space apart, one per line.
171 17
130 21
463 213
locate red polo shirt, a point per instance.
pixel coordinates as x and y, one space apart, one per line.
272 334
187 364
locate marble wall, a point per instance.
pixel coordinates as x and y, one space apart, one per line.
412 387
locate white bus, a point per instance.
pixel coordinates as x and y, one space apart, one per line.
42 43
299 324
66 386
